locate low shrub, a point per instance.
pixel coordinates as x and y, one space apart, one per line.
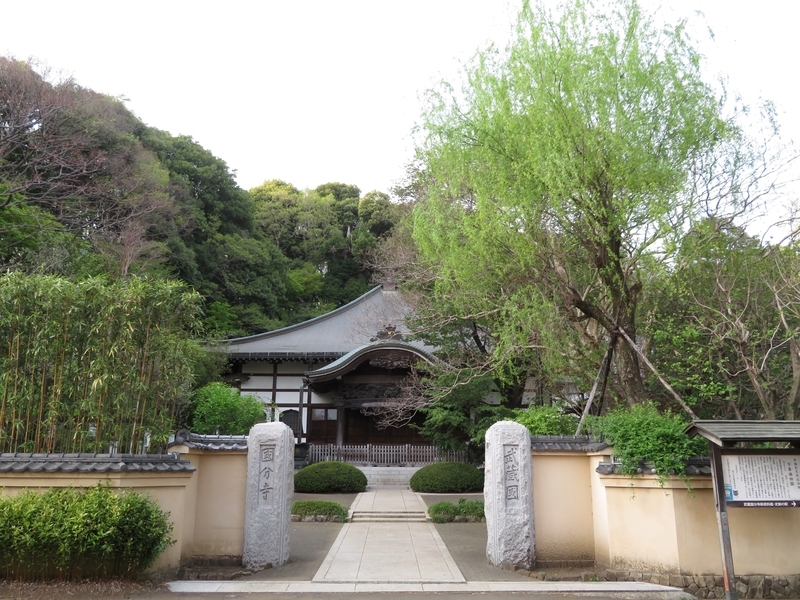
640 433
223 409
446 512
306 508
447 478
546 420
330 478
65 533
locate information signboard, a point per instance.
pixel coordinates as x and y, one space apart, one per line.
761 480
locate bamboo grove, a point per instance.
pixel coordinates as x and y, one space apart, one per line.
92 365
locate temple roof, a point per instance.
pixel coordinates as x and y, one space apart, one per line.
378 314
388 354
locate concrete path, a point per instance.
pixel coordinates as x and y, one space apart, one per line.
595 589
388 500
404 557
388 552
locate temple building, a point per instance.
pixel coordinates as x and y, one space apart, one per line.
321 374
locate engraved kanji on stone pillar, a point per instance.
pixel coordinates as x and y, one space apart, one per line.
268 502
508 496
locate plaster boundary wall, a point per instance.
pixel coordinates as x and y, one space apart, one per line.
636 529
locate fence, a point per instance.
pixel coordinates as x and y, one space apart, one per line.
375 455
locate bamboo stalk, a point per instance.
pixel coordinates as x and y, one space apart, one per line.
15 397
142 362
6 380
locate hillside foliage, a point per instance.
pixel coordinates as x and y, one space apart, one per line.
87 189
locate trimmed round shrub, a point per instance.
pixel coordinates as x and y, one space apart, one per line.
447 478
330 478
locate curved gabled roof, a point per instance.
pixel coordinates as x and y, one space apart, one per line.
330 335
351 360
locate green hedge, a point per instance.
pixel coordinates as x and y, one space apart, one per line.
330 478
447 478
306 508
70 534
445 512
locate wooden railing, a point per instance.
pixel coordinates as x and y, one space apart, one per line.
378 455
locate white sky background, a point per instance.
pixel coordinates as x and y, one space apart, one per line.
317 91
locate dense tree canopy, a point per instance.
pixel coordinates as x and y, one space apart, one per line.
71 166
724 324
555 178
328 236
87 189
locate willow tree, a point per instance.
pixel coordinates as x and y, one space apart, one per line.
90 365
559 169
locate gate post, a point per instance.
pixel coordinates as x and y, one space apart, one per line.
268 502
508 496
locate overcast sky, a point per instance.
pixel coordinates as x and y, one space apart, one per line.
317 91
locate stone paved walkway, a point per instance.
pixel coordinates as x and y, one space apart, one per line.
399 557
389 552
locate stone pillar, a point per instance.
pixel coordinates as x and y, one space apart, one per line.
268 502
508 496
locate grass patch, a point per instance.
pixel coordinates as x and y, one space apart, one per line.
446 512
306 508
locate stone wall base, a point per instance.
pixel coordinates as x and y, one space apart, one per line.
702 586
212 568
564 564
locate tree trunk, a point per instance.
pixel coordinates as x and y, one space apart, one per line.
512 394
630 384
793 402
627 367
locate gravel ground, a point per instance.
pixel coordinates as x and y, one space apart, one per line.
18 590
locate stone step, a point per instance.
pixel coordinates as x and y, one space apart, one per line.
387 520
388 516
388 476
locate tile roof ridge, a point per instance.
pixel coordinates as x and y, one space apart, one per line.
304 324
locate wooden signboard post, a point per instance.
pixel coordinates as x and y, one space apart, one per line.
749 478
